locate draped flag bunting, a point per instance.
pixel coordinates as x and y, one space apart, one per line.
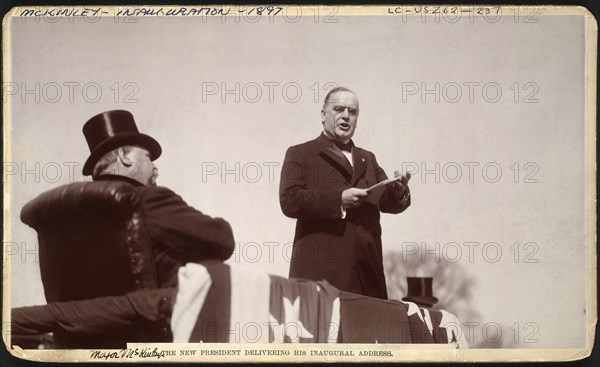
242 306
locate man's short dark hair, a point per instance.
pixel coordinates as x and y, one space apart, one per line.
334 91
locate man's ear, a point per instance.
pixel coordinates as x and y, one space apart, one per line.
323 116
124 157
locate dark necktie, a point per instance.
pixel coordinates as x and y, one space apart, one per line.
347 147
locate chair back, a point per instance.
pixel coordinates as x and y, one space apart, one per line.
93 242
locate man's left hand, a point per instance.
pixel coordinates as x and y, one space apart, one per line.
400 187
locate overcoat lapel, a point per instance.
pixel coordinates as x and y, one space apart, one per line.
333 154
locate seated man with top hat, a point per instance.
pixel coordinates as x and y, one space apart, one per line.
179 233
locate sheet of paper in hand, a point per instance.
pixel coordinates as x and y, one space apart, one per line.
384 182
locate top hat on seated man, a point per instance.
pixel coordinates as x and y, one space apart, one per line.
111 130
420 291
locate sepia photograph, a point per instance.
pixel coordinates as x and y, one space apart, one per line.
262 183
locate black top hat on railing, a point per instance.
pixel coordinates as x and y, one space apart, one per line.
420 291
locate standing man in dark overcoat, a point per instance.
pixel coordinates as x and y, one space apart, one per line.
324 186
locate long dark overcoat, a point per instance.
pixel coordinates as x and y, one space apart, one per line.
347 252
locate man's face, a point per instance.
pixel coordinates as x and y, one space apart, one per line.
142 168
340 115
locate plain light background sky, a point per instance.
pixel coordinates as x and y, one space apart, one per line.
176 72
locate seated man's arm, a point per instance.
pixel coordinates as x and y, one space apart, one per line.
185 230
297 201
